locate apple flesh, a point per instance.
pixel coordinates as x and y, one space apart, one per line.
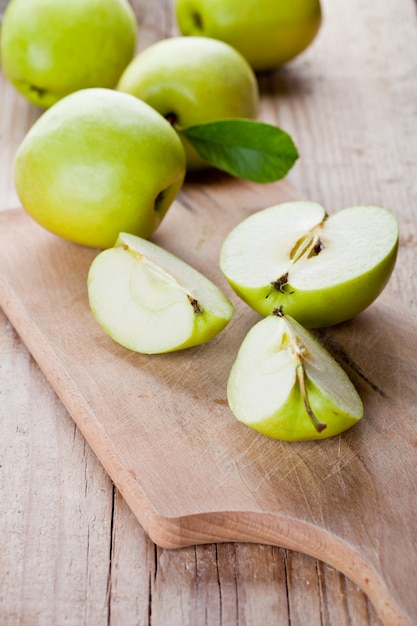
321 269
97 163
51 48
150 301
193 80
285 385
268 34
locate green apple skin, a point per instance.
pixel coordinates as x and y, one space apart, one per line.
150 301
97 163
51 48
264 392
268 33
193 80
314 294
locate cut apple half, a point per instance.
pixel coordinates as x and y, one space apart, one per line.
286 385
322 269
150 301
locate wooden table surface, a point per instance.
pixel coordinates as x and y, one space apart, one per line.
71 550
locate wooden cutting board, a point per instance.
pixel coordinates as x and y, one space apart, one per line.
162 428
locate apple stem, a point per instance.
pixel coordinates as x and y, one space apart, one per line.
318 425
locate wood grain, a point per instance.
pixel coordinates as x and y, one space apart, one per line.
162 428
352 114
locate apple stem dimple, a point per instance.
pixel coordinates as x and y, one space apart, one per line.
172 118
197 20
158 200
39 90
301 378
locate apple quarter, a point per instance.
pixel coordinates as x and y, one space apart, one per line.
150 301
285 385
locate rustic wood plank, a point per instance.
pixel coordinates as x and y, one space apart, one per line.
336 167
132 563
344 160
240 492
55 529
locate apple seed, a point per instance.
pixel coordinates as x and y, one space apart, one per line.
308 246
318 247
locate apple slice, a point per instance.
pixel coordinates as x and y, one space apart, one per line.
284 384
150 301
321 269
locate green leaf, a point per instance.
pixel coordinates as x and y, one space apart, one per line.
244 148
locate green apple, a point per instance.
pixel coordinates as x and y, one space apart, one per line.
50 48
268 33
97 163
321 269
193 80
284 384
150 301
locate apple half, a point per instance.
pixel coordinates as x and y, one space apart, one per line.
285 384
322 269
150 301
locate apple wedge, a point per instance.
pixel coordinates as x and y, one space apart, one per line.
321 269
150 301
285 385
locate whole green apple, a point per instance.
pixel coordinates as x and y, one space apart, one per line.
321 269
50 48
193 80
268 33
97 163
